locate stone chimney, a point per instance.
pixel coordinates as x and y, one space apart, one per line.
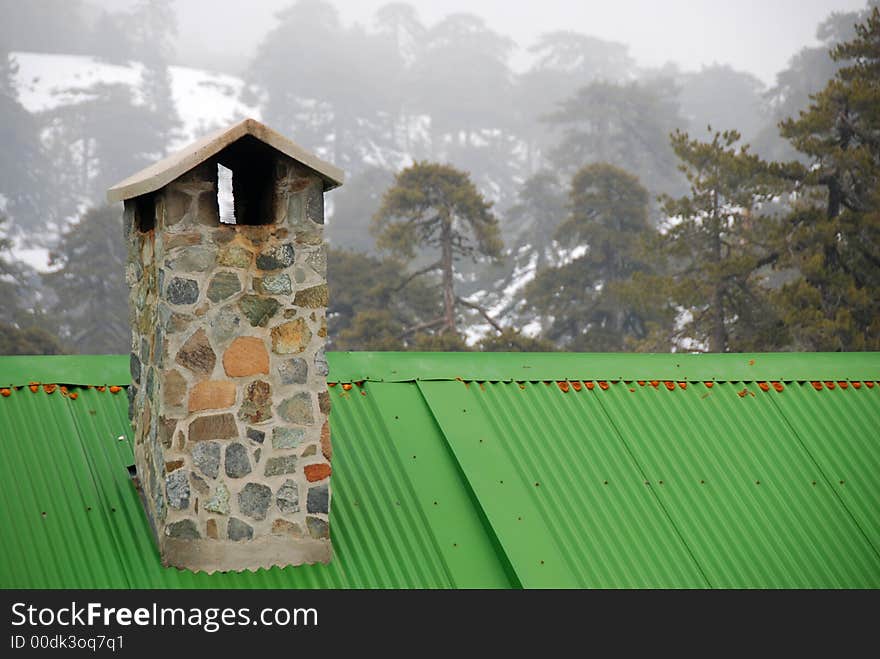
229 399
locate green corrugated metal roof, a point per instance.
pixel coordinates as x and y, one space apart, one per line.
492 470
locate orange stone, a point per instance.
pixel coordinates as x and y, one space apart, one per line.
211 529
212 395
246 356
326 447
317 472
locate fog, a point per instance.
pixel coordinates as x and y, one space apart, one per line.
745 34
583 129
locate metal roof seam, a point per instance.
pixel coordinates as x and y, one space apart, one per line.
642 471
484 518
825 477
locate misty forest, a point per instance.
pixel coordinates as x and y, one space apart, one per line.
585 203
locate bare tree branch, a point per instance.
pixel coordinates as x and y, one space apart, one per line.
421 326
434 266
484 313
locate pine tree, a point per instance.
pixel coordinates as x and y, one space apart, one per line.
437 209
9 301
712 248
832 237
626 125
90 284
156 27
23 164
372 312
580 301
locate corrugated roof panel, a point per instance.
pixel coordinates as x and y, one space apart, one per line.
559 487
64 458
442 483
841 430
738 486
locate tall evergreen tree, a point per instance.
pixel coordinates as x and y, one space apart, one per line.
437 209
23 164
626 125
712 248
373 312
832 237
156 27
580 302
90 284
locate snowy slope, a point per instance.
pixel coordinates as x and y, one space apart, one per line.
204 100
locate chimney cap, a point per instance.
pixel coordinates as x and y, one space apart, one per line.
161 173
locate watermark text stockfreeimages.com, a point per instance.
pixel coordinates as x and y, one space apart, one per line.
209 619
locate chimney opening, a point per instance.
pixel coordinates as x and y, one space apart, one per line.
145 212
225 195
246 183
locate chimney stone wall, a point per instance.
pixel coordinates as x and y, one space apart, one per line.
229 398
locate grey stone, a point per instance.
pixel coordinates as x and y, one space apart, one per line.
226 324
318 260
177 489
297 409
300 275
254 500
285 464
287 437
206 457
219 502
182 291
255 435
258 310
132 392
318 528
318 500
321 367
315 210
177 205
135 368
274 284
198 258
257 403
176 322
293 371
185 528
238 530
151 382
275 258
223 285
257 454
199 483
237 463
223 235
287 497
159 343
296 208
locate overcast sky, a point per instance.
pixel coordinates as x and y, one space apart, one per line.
752 35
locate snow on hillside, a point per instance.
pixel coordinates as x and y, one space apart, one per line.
204 101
